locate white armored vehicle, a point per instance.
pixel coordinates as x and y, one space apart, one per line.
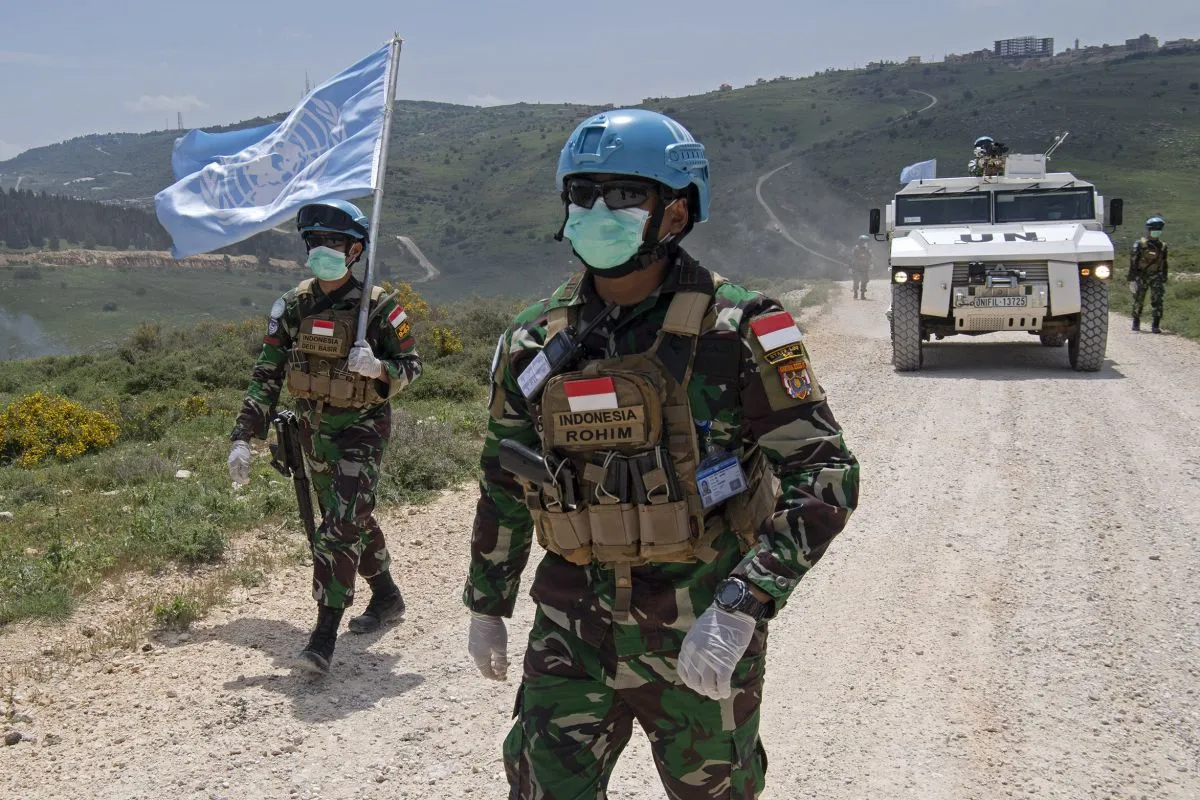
1022 251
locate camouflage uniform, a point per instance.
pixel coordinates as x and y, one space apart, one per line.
343 447
588 673
860 270
1148 266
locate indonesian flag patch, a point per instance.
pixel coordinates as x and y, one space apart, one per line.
397 317
775 331
322 327
593 394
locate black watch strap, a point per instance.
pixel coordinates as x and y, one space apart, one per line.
733 594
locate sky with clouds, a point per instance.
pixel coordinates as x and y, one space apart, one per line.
72 68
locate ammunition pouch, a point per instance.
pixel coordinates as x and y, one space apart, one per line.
637 458
1149 260
317 364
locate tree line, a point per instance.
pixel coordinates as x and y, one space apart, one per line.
43 221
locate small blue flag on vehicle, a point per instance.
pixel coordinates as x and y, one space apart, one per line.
920 171
243 182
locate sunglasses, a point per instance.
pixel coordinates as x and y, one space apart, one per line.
337 241
617 194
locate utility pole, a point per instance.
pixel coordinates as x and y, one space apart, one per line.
179 119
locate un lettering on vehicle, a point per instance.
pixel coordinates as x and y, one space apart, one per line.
971 238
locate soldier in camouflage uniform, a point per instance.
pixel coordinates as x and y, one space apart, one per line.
342 395
990 158
709 476
1148 271
860 267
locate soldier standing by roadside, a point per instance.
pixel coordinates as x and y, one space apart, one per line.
342 390
860 267
693 474
1148 270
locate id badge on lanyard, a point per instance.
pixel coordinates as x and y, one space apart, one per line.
720 475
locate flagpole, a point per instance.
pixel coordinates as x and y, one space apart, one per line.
380 169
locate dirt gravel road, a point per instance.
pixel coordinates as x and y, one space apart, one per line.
1013 612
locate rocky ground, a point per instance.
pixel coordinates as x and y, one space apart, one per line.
1013 612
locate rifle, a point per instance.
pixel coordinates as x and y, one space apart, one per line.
287 457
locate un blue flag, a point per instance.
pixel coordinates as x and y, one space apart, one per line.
922 170
240 183
197 149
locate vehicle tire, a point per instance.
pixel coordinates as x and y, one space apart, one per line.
1087 347
1053 339
906 327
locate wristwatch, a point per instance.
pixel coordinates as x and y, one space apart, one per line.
733 594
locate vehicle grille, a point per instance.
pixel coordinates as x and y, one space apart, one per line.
1034 272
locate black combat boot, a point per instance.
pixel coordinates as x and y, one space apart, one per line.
387 605
1154 325
1137 324
318 654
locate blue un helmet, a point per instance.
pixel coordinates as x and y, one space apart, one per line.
1156 223
644 144
982 140
333 216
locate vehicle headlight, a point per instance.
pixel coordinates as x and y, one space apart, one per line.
1103 271
900 276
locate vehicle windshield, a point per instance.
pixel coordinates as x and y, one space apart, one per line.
1045 206
943 209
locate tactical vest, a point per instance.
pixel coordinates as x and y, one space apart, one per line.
993 166
641 431
317 361
862 258
1149 258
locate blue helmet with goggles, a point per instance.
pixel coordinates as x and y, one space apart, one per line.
333 216
643 144
645 154
982 140
1156 223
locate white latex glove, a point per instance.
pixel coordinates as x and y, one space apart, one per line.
363 361
239 463
1133 287
712 649
487 642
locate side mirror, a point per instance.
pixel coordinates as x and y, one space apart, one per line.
1116 211
874 229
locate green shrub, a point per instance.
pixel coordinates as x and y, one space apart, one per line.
123 466
176 614
143 422
424 455
154 376
147 337
437 383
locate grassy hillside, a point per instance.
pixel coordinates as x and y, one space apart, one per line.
474 186
49 310
171 397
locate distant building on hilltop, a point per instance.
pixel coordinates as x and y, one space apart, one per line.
1142 44
1179 44
970 58
1025 47
726 87
913 60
